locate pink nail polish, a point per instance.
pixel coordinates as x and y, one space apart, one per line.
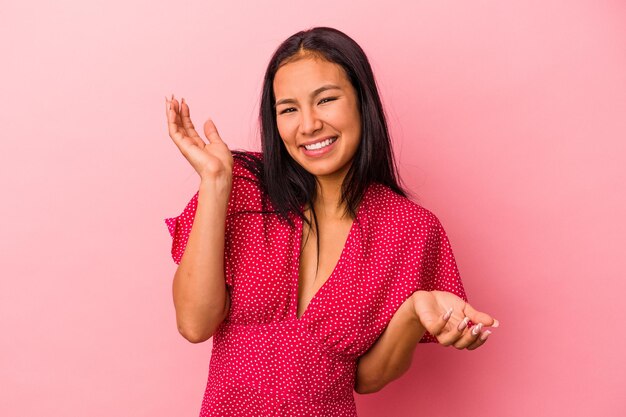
476 329
485 335
463 324
448 314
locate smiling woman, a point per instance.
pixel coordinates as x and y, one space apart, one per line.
307 263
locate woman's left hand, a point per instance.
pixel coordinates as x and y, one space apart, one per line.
446 317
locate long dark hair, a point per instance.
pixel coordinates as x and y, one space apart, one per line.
288 185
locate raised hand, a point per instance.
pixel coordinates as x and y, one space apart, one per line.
211 159
446 317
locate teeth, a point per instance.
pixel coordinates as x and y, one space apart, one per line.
320 145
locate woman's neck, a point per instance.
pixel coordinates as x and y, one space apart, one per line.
327 203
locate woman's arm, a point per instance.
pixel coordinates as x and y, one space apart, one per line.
443 314
199 289
200 296
391 355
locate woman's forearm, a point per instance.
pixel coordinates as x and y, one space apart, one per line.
200 296
391 355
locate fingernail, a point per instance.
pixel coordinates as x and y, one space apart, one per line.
463 324
448 314
496 323
485 335
476 329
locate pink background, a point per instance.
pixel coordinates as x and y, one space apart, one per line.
509 121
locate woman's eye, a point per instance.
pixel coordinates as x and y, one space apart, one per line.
326 100
287 110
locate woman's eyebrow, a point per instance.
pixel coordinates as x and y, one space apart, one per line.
313 94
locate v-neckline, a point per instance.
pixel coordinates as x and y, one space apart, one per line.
296 274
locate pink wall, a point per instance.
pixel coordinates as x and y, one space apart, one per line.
509 120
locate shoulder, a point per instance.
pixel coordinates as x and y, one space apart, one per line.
247 189
247 164
386 207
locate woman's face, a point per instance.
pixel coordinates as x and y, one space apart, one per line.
317 113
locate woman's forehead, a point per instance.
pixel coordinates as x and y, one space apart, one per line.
308 74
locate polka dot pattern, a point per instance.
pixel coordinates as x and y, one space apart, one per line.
266 360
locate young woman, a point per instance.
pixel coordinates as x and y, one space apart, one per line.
307 263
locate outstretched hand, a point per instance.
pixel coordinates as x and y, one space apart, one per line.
447 317
208 159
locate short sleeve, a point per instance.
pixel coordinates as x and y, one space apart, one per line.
180 227
243 186
402 248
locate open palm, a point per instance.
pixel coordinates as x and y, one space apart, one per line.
210 159
451 319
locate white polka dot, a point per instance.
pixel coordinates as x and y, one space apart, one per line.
266 361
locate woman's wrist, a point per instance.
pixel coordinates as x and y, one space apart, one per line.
216 192
224 177
408 311
221 184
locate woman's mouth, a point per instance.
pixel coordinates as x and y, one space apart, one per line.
320 148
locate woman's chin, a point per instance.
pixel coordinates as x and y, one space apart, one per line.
329 171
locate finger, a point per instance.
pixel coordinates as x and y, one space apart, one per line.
174 130
175 110
469 337
480 340
176 107
436 324
479 317
210 131
188 125
454 333
441 329
168 107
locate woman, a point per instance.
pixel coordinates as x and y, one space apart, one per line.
309 266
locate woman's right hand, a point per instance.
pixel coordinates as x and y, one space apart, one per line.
210 160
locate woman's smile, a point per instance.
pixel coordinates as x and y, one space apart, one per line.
320 147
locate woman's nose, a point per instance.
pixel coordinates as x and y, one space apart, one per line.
310 122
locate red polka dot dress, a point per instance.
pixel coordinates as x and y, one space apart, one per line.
268 362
